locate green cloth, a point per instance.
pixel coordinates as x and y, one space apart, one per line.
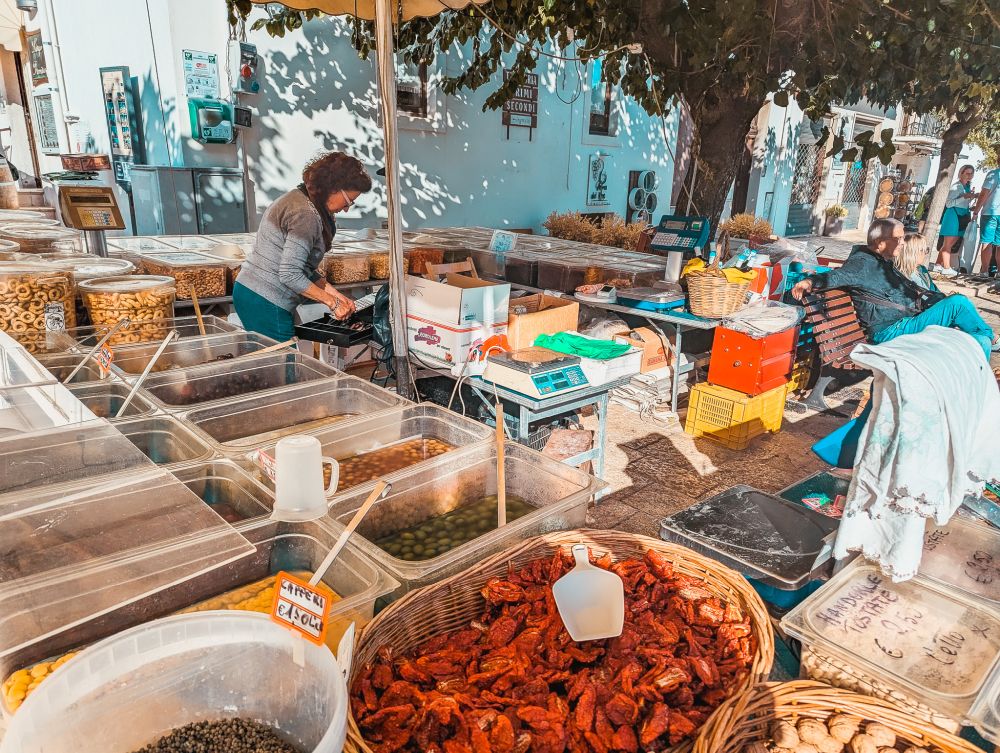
575 345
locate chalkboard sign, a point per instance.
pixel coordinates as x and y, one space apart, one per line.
522 109
36 57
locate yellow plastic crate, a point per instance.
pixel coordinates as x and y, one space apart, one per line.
731 418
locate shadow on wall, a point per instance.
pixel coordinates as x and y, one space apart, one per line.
315 84
159 130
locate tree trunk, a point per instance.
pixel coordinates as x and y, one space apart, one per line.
721 127
951 144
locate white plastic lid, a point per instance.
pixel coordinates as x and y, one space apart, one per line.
186 241
138 243
181 259
937 644
985 713
15 215
38 231
71 556
130 284
964 555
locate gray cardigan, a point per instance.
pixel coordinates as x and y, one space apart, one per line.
287 253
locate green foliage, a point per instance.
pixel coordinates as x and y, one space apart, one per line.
987 137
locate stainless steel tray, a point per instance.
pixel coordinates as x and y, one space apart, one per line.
104 400
130 361
165 440
61 366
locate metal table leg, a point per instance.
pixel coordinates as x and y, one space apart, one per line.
602 433
523 424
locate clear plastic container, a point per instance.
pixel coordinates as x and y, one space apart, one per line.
130 361
8 251
246 584
185 669
76 555
8 216
419 256
203 274
87 267
380 265
165 440
187 242
105 400
239 426
225 380
229 490
186 326
392 443
965 556
928 649
343 267
62 365
145 300
560 493
138 244
66 456
564 275
38 238
35 296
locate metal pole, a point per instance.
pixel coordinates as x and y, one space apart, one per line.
397 288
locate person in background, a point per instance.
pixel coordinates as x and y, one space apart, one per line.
910 260
295 232
887 303
987 209
955 219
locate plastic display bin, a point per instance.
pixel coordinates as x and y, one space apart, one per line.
132 689
731 418
105 400
165 440
831 483
781 547
86 338
193 271
83 554
239 426
561 494
928 649
62 365
130 361
67 456
381 440
229 490
964 556
274 547
225 380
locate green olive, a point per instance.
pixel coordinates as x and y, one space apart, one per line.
407 536
420 534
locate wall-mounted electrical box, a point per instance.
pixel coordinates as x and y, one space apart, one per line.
211 121
243 116
244 62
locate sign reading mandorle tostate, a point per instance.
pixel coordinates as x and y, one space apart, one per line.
522 109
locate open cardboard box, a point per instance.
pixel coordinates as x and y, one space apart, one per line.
545 315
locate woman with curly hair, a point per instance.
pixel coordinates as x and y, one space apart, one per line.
294 234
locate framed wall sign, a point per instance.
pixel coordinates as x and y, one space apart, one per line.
45 123
36 57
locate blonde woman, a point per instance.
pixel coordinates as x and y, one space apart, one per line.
910 261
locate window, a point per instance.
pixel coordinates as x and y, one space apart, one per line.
600 102
411 91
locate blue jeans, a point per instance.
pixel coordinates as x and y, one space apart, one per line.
954 311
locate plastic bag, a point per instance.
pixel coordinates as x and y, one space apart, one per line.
970 245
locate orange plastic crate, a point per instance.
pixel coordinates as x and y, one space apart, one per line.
731 418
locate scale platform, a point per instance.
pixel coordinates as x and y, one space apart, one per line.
653 299
536 372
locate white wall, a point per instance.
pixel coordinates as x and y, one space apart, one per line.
773 166
318 95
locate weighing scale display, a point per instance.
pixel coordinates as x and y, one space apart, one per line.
553 382
90 208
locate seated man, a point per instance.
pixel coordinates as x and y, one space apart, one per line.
889 305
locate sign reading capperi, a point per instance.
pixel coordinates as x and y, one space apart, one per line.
301 607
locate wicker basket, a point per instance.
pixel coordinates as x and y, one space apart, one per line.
747 718
710 294
452 603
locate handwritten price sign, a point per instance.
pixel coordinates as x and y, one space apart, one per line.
301 607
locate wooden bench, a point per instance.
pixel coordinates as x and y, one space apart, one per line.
836 330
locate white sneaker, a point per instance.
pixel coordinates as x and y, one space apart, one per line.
943 271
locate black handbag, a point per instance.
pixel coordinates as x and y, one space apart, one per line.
382 330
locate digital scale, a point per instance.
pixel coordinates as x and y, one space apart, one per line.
92 209
536 372
653 299
603 294
678 237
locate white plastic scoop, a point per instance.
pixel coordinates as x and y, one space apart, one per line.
591 601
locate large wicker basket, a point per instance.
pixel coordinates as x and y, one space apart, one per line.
710 294
453 602
745 719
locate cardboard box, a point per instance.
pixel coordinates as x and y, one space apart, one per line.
655 349
547 315
460 302
445 343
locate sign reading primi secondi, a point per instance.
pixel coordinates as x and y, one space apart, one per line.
522 109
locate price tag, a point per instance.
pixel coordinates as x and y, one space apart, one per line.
301 607
503 241
55 317
267 464
105 356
